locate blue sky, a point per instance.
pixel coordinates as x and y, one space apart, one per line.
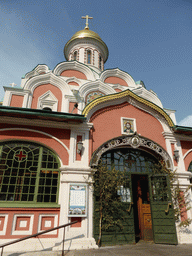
149 39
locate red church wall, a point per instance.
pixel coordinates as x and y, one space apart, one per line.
74 73
17 101
107 124
73 83
71 106
62 135
118 90
115 80
42 89
186 146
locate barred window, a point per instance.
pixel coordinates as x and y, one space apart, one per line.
28 173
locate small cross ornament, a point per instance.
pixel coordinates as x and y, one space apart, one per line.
87 20
12 84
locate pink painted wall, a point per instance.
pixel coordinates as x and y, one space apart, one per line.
107 125
118 90
42 89
61 134
71 106
115 80
16 101
75 73
186 146
73 83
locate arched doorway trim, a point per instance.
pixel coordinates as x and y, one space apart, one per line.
134 141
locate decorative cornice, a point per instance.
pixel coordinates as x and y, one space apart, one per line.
74 65
41 68
34 82
95 85
118 73
124 94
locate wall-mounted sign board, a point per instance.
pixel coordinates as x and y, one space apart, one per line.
77 200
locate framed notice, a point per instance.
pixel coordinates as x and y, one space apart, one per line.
77 200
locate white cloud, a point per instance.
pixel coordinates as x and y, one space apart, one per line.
187 121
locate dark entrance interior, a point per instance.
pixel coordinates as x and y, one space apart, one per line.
141 206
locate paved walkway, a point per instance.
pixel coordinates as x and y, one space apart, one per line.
139 249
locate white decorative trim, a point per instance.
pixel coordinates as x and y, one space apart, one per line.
120 74
95 85
9 92
22 232
148 95
37 70
54 232
3 232
74 79
49 100
37 131
74 65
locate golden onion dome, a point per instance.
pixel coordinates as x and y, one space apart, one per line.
86 34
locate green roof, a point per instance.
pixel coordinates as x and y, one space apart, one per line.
40 114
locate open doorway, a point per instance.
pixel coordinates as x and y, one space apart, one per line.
142 210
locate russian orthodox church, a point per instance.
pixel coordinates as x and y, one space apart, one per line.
57 126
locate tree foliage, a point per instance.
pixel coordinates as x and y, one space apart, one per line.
106 184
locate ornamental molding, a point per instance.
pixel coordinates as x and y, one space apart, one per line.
74 79
74 65
37 71
45 79
98 85
120 74
49 100
132 98
148 95
133 141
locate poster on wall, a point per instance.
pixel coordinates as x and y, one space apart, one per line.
77 200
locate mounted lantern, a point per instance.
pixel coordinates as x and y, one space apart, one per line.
79 146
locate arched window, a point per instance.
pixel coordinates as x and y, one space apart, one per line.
75 55
88 57
190 170
131 160
28 173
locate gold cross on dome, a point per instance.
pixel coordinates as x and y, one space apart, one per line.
87 20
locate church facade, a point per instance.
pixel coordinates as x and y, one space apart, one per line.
54 130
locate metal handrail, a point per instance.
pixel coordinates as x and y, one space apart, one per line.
38 234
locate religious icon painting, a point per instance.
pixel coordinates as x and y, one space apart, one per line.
128 125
